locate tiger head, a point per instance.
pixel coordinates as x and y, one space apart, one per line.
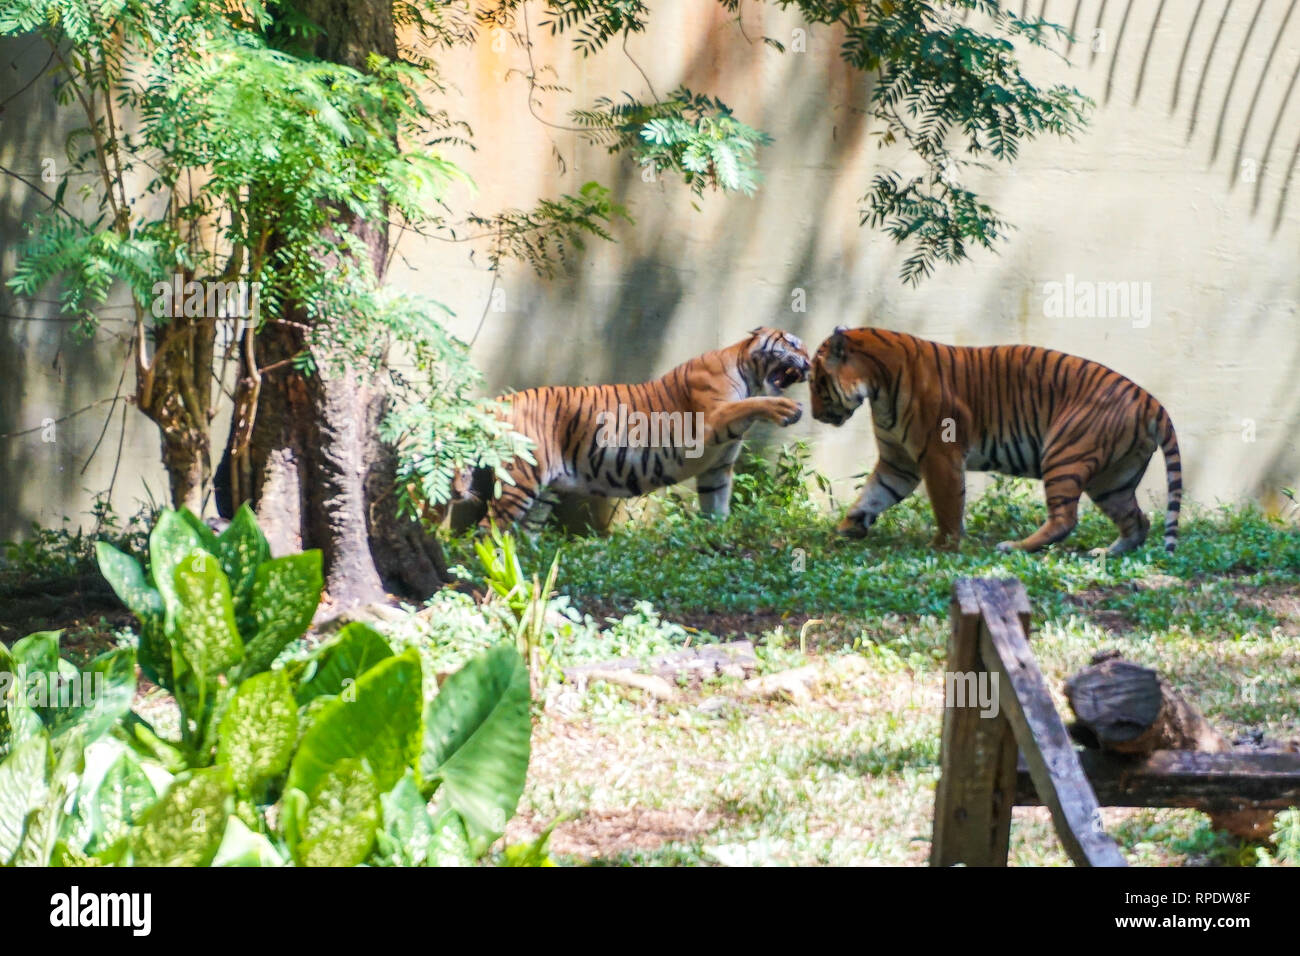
773 360
839 383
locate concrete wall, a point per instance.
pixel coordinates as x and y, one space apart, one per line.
1182 184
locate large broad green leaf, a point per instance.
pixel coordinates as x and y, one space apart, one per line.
407 835
171 542
342 815
241 548
286 593
242 847
123 795
205 632
258 730
476 739
98 696
451 843
36 654
33 685
24 788
44 824
23 721
354 650
382 725
127 579
185 827
207 537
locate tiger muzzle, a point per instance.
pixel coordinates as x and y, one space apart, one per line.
788 373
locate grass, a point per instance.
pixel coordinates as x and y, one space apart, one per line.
717 776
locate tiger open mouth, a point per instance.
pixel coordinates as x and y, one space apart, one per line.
787 374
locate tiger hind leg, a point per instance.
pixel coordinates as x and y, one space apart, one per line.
1114 491
714 486
1120 505
1123 509
1062 486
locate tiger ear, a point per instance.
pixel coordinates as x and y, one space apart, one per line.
836 351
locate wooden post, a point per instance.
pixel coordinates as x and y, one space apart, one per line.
1048 749
976 791
976 788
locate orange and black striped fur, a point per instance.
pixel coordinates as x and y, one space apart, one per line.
939 410
723 392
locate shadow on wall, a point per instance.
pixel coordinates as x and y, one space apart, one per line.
1110 34
56 386
647 306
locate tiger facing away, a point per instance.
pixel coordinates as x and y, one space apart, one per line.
621 441
939 410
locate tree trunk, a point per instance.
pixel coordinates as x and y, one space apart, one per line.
311 463
174 389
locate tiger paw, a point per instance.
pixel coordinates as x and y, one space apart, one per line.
786 411
851 527
1004 547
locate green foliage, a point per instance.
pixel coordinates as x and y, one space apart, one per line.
529 600
441 429
941 79
777 551
948 89
246 164
476 740
329 760
543 236
691 134
70 550
1286 840
782 483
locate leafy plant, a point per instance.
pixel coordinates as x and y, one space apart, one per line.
529 600
1286 840
332 759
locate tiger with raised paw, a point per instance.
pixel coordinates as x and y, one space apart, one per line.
622 441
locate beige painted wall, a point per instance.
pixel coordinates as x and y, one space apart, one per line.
1183 182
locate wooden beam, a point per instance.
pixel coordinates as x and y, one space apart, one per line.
974 797
1049 753
1185 778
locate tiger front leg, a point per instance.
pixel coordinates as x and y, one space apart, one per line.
728 422
944 470
889 484
524 498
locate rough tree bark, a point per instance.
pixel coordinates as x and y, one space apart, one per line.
173 388
311 462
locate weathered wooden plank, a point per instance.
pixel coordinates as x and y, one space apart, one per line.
973 800
1049 753
1185 778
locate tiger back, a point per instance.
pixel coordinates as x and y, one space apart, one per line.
939 410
